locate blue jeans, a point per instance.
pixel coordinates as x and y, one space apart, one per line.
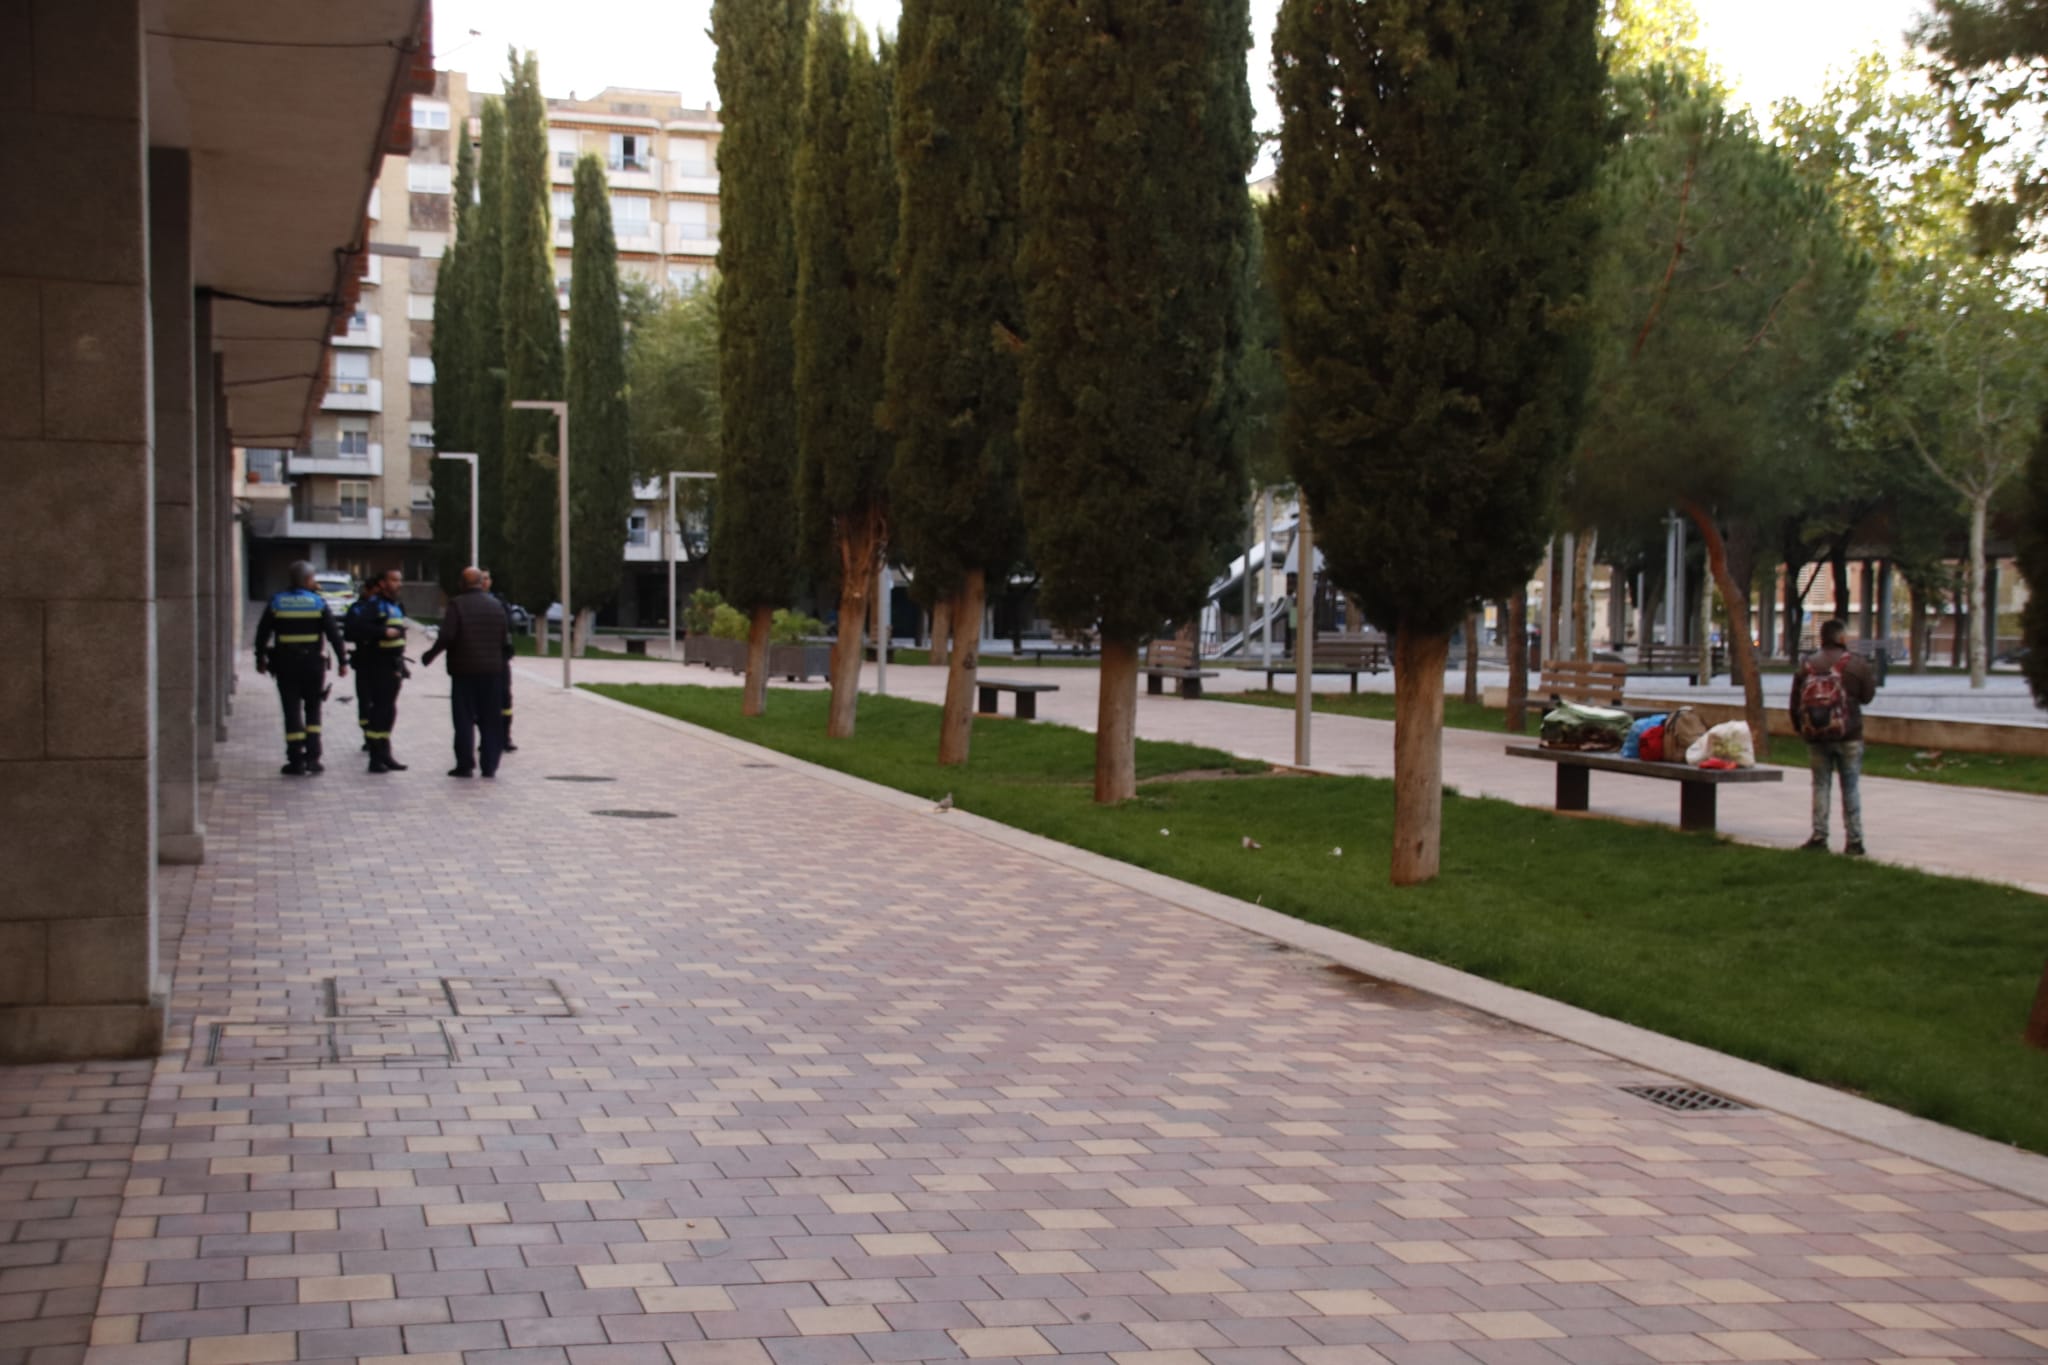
1844 756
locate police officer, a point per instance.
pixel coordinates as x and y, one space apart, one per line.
377 627
364 594
291 642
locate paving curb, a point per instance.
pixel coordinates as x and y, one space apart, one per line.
1964 1154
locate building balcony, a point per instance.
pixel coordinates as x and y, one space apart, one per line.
685 239
565 233
370 333
634 174
327 457
356 395
678 183
397 528
645 547
648 490
641 236
334 523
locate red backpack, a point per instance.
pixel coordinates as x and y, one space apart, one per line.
1823 704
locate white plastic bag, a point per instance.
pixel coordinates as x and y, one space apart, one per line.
1730 740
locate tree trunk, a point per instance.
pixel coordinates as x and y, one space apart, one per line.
1919 635
956 727
1419 661
2037 1021
1983 617
1582 596
1646 615
1741 657
754 700
1518 661
1553 599
942 631
1838 565
860 554
1116 723
1472 626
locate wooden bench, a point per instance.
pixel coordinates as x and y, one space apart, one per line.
1025 692
1698 788
1588 682
1333 655
1177 659
1678 661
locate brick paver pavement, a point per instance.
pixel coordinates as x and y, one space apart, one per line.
468 1072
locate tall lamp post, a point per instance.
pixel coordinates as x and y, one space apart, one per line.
674 531
561 412
474 554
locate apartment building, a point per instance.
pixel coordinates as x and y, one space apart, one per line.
358 497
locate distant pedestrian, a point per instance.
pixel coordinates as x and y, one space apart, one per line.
1829 691
476 637
291 645
377 626
506 681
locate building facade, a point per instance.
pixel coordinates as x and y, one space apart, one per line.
358 496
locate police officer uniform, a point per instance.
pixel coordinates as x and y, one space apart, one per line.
355 660
380 672
291 642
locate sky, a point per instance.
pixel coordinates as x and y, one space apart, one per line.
1769 48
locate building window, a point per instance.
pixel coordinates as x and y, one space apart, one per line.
684 278
352 439
265 466
631 214
565 210
562 288
422 496
564 143
429 114
420 435
630 152
698 219
428 177
420 369
351 372
354 499
692 156
636 529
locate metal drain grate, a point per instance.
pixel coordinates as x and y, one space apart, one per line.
1686 1099
637 814
575 778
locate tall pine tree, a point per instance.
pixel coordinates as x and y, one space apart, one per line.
1138 231
760 85
457 386
845 242
953 378
601 467
484 280
532 323
1431 241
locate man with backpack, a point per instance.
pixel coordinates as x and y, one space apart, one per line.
1829 691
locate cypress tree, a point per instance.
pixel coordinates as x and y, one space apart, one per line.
1431 241
532 324
1138 233
953 378
483 279
845 242
760 86
456 377
601 465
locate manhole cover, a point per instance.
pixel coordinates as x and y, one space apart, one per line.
1686 1099
637 814
572 777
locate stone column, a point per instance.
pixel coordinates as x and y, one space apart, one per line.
77 559
180 830
206 491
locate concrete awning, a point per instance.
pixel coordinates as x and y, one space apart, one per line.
288 111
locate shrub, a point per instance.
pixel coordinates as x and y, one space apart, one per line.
791 628
700 610
728 623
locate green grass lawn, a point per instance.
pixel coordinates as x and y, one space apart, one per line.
1911 989
2005 772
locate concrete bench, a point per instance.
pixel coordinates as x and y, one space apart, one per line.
1176 659
1025 692
1698 788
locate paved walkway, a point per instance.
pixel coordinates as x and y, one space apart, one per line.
475 1073
1955 831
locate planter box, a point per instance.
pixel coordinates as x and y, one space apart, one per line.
797 663
730 655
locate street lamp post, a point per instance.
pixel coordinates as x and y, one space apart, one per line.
675 532
474 556
561 412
